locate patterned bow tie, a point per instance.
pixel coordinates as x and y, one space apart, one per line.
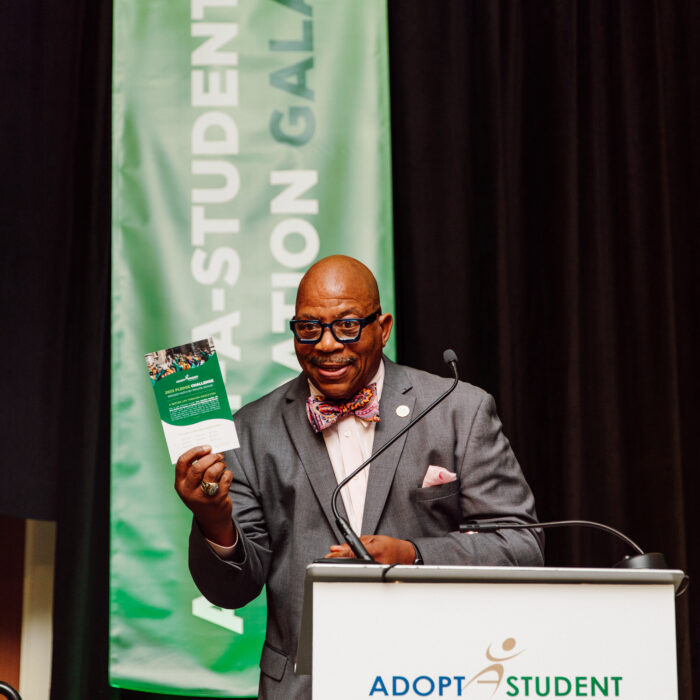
322 413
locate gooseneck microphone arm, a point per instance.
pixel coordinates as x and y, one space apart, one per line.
351 537
641 560
470 527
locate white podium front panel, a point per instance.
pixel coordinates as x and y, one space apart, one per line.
493 640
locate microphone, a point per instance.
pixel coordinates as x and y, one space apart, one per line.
351 537
641 560
449 357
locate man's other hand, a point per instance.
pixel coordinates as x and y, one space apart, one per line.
383 549
213 513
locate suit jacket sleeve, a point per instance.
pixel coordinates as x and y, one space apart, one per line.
490 487
234 583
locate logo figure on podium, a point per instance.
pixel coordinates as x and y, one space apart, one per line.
497 666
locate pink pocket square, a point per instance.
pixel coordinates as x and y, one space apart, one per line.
437 475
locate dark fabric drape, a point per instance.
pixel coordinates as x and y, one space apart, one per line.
546 225
546 218
55 87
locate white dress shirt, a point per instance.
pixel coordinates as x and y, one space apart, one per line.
349 442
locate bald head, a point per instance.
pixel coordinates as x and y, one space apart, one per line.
334 289
335 276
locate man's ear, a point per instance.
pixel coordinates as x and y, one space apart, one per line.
386 321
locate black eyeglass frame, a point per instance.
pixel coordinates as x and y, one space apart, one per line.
362 321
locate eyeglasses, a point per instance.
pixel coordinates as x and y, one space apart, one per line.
344 330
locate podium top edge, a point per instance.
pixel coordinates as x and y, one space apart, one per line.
327 573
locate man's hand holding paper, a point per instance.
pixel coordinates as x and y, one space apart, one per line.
196 470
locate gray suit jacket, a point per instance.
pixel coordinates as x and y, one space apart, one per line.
283 481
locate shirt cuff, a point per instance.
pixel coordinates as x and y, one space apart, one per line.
224 552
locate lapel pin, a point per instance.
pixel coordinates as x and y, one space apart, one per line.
402 411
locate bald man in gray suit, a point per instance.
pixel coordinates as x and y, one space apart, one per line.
269 514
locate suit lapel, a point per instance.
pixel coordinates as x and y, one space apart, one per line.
382 470
311 449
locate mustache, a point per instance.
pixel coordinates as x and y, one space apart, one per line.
324 360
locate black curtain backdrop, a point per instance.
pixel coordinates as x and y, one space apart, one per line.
546 226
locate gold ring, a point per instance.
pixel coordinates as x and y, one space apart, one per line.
209 487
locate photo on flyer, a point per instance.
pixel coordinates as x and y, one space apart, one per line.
191 397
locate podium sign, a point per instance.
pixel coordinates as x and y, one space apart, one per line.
497 633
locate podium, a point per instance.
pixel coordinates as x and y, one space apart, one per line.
371 631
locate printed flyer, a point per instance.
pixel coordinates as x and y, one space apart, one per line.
191 398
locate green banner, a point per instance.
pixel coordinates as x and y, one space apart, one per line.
250 138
